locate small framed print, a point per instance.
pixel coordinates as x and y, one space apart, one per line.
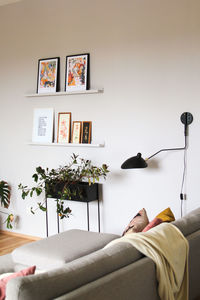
77 72
64 127
43 123
86 132
48 73
76 132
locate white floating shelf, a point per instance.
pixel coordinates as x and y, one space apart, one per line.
67 145
66 93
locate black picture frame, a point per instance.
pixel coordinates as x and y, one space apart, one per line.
77 73
86 135
48 76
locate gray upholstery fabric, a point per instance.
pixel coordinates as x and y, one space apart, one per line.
19 267
118 272
136 281
6 263
189 223
73 275
194 265
61 248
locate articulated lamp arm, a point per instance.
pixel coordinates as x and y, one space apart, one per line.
168 149
138 162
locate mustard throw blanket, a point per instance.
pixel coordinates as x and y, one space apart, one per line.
168 248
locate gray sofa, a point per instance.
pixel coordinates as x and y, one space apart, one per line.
78 268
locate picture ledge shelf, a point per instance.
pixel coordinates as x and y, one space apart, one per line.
67 145
66 93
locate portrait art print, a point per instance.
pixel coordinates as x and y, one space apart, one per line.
76 132
64 127
48 73
86 132
77 73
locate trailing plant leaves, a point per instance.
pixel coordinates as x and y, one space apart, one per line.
35 176
61 211
49 181
25 194
38 191
41 207
9 221
32 211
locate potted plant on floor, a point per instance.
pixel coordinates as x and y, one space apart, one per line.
74 181
5 202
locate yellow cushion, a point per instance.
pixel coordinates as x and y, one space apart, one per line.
166 215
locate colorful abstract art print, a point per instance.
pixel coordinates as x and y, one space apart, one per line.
77 72
86 132
64 127
76 132
48 70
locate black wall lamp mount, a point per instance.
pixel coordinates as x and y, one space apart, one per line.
138 162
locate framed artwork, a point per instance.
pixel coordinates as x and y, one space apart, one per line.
76 132
48 72
64 127
77 72
86 132
43 120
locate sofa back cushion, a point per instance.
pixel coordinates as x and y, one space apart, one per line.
189 223
74 274
194 265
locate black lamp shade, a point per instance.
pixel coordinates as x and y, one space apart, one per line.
134 162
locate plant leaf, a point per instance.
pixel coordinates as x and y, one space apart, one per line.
4 194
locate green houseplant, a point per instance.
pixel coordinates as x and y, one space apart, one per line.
5 202
66 182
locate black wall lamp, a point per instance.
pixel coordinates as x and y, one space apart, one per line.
139 162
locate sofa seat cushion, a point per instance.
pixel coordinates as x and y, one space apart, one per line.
55 251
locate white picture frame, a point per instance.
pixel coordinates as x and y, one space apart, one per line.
43 125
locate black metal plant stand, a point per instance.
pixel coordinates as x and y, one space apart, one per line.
91 194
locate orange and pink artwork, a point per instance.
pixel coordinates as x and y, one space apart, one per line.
64 127
47 75
77 72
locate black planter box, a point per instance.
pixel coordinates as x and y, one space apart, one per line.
84 191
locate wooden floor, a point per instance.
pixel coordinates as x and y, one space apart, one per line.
9 242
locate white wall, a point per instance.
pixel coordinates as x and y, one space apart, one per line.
145 54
